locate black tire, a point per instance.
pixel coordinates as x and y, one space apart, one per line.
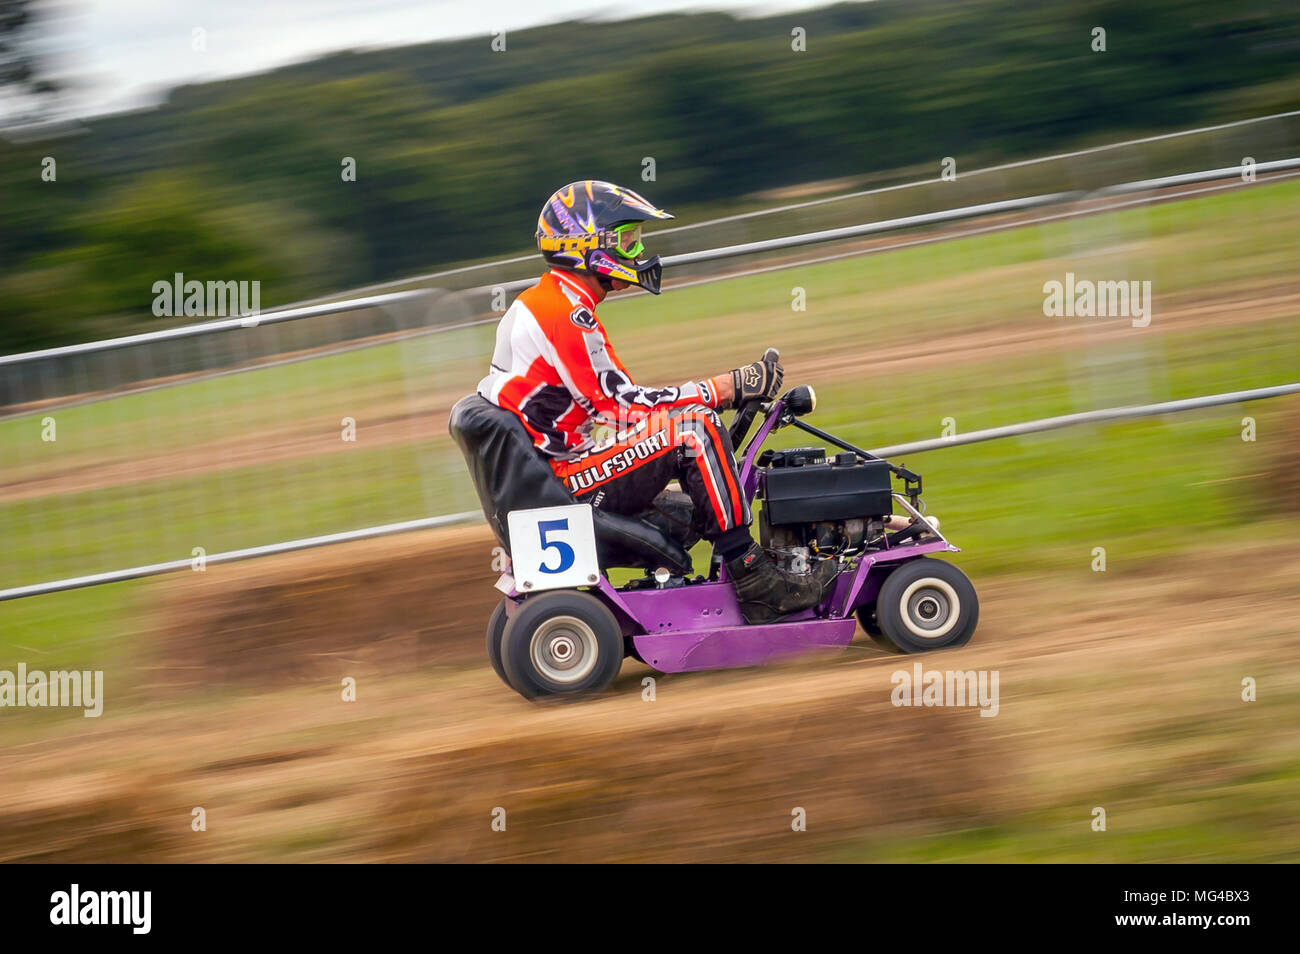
562 643
926 605
867 619
496 628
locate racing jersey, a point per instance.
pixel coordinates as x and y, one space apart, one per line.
553 366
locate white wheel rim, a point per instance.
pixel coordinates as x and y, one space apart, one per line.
930 608
563 649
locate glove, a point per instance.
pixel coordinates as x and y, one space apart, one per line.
758 381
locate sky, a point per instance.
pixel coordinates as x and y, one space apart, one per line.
123 54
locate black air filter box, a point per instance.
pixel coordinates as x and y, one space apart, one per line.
843 489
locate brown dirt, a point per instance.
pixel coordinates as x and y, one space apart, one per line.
1282 489
710 770
384 605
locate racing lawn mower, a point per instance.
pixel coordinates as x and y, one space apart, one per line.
563 628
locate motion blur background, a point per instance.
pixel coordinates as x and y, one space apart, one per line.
1121 687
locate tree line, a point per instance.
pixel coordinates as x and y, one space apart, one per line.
454 145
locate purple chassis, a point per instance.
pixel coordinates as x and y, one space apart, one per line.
699 626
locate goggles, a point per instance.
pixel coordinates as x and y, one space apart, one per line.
627 240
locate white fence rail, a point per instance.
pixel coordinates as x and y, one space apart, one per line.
213 327
1099 416
232 556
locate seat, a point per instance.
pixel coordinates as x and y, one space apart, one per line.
509 473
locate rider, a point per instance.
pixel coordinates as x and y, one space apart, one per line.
553 366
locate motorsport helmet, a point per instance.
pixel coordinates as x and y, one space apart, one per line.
594 226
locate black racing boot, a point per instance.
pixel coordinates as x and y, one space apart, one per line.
768 592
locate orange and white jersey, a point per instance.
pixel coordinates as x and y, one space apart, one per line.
553 365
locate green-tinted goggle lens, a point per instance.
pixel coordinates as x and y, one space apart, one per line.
629 243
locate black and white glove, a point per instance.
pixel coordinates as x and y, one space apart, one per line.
758 381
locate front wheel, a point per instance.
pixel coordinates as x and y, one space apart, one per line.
870 625
926 605
561 643
496 628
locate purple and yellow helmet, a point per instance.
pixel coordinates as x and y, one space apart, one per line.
594 226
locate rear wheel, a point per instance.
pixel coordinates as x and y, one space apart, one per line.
926 605
561 643
496 628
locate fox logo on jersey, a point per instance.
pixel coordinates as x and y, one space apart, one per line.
583 318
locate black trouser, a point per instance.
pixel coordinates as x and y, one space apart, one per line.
686 443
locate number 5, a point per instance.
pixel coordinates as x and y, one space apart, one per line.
566 552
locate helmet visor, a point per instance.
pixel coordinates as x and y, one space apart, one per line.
627 239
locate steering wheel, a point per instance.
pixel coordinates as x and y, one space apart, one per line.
745 413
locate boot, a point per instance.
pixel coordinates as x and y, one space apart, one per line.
768 592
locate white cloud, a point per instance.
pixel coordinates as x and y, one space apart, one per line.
126 53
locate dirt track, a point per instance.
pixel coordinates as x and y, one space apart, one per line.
1117 693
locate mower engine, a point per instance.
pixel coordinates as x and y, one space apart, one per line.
815 507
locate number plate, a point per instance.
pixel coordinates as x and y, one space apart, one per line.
553 547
